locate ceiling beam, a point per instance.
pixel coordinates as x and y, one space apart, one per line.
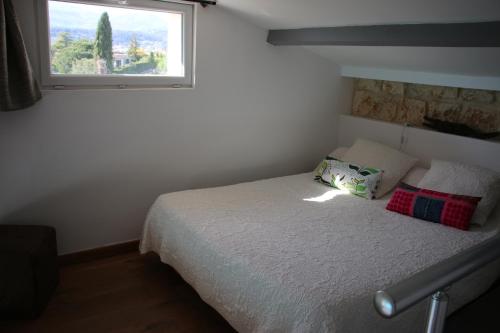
481 34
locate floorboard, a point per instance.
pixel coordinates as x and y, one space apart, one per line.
125 293
480 316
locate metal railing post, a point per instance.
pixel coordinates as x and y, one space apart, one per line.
437 312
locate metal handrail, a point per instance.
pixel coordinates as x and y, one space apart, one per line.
435 280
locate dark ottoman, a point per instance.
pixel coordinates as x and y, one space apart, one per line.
28 270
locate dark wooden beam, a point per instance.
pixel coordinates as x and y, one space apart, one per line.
482 34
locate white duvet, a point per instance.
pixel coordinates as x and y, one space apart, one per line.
291 255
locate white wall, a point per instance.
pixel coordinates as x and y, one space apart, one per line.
91 163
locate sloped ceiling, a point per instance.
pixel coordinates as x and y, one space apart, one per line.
289 14
448 60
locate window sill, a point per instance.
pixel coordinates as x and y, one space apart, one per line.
115 88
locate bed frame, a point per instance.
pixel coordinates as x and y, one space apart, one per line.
426 144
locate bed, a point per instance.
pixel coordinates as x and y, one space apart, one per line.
278 255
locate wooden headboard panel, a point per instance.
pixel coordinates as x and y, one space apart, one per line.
421 143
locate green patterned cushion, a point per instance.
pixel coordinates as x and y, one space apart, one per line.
359 180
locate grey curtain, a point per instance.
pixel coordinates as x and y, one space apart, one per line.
18 87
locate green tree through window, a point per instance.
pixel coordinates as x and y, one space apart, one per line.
133 49
104 44
67 52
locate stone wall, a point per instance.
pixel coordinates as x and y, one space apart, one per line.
399 102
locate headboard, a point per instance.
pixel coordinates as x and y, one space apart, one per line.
421 143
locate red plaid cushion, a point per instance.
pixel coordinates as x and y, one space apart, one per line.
448 209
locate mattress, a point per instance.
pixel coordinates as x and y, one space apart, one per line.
291 255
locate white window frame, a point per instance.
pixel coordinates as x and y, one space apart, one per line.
121 81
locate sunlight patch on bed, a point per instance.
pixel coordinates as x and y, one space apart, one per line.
327 195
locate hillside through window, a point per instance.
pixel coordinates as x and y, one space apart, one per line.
118 42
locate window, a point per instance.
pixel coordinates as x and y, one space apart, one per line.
117 43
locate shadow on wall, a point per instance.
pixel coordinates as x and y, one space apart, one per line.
111 208
104 209
205 179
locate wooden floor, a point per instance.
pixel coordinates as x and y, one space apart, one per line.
126 293
480 316
133 293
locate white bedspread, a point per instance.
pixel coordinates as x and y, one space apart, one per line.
269 260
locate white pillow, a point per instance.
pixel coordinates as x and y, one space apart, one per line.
339 152
457 178
414 176
394 163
